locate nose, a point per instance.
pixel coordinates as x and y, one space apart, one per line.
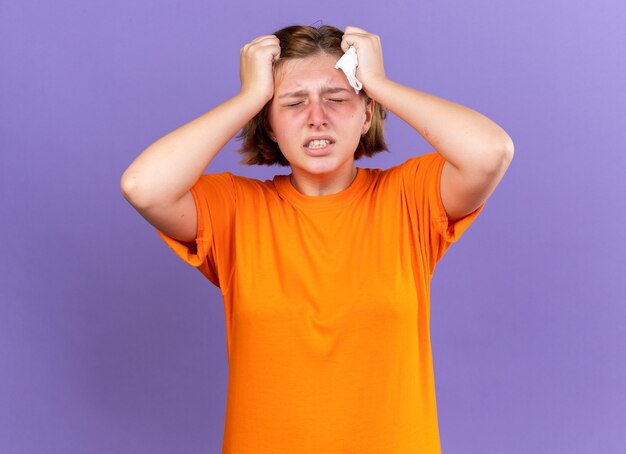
317 114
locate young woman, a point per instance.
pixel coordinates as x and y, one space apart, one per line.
325 272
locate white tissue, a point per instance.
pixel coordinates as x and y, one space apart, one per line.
348 63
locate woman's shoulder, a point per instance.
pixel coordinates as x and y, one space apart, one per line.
414 166
241 181
233 187
416 161
409 163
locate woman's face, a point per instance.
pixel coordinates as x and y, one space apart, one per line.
316 117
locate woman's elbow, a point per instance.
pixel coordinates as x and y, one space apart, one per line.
131 189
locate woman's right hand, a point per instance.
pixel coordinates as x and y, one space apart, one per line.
256 66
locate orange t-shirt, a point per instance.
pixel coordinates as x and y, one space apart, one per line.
327 308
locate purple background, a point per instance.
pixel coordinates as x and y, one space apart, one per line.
110 343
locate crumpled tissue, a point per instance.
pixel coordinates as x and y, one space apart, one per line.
348 63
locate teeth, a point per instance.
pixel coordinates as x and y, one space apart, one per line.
318 143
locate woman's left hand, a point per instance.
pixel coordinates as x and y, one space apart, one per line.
370 70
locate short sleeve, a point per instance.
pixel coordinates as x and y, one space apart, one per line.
211 252
422 180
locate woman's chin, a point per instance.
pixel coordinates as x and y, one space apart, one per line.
320 166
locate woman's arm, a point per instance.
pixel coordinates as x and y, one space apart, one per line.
158 182
476 149
168 168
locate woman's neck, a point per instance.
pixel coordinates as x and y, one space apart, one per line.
322 184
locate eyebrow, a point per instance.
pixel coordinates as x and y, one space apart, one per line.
329 90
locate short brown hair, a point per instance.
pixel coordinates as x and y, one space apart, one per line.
301 41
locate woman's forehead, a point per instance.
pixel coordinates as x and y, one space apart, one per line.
310 72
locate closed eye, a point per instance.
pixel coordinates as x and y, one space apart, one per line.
294 104
337 100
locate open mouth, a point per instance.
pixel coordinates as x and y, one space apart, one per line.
318 144
315 144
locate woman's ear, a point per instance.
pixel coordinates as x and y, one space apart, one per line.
369 114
